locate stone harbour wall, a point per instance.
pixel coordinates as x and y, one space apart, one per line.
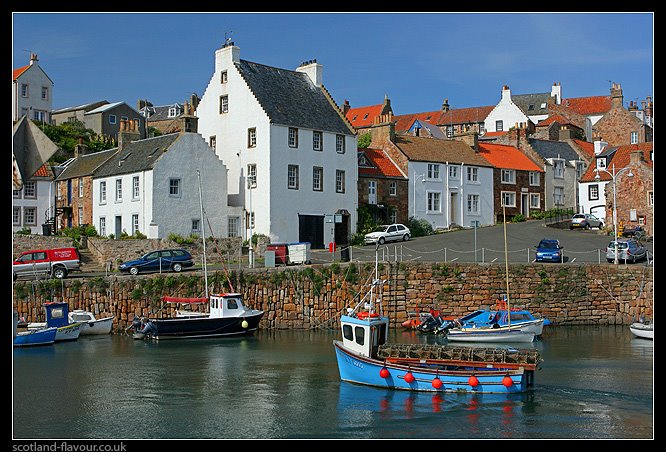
315 296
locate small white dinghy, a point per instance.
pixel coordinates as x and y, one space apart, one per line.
90 324
644 329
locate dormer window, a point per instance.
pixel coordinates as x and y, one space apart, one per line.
543 105
366 116
354 118
601 162
530 107
172 112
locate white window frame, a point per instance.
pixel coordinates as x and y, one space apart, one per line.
17 193
499 125
317 141
317 178
511 195
558 169
136 192
473 204
393 188
534 196
80 215
340 181
80 180
393 215
650 198
633 137
135 223
431 197
29 212
102 226
292 177
30 190
292 138
16 216
601 162
590 189
453 172
508 176
340 144
252 137
172 112
113 119
433 171
175 183
473 175
233 227
196 225
558 194
224 104
102 192
252 175
45 93
119 190
25 90
535 179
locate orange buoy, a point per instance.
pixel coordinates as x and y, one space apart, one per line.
384 373
436 383
473 381
365 314
409 377
507 381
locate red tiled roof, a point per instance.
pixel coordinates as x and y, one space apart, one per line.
588 105
404 122
363 116
494 134
17 72
620 159
43 171
586 146
470 115
508 157
551 119
384 166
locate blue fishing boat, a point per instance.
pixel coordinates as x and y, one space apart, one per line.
57 316
31 338
498 318
364 357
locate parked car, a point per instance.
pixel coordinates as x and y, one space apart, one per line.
585 221
388 233
57 262
160 260
549 250
627 250
636 232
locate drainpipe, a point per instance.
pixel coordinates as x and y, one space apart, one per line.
448 196
461 185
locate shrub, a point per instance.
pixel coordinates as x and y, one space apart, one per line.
364 140
518 218
24 231
420 227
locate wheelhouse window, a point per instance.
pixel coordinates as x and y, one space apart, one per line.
293 137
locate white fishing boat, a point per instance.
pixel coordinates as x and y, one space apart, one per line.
90 325
644 329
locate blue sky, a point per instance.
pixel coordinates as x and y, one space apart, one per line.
417 59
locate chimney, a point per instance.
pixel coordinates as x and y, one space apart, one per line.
514 135
345 107
633 106
80 148
386 108
194 102
382 130
188 121
599 146
636 157
648 111
226 56
33 58
128 132
565 133
506 93
471 139
313 70
556 92
616 95
445 105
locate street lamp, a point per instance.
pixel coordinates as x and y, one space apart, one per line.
250 214
422 177
613 176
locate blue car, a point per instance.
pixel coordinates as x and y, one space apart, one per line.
160 260
549 250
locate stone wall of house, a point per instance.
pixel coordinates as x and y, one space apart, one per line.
315 296
399 202
615 127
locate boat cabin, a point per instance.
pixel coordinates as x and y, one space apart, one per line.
57 314
364 332
227 305
79 315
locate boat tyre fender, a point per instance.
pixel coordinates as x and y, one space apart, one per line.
364 315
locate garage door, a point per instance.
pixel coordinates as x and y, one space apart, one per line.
311 229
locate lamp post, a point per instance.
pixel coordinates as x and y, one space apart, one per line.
422 177
614 175
250 214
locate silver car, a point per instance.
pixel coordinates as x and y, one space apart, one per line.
388 233
627 250
585 221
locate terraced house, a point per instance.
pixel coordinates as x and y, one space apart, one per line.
290 152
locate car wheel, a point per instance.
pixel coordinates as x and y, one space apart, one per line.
601 225
609 260
587 226
381 240
134 271
405 237
571 228
177 267
59 272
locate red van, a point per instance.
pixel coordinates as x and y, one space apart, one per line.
56 263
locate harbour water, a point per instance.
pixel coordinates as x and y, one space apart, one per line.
596 382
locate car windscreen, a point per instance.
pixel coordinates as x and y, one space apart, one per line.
548 245
620 245
380 229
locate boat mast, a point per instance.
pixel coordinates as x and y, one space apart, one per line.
203 234
506 266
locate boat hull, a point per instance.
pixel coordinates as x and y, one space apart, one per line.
487 335
362 370
97 327
68 333
201 327
35 337
644 331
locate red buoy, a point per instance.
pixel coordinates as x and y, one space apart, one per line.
473 381
409 377
384 373
507 381
436 383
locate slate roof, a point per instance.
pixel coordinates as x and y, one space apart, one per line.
161 112
137 156
382 165
104 108
507 157
553 149
524 101
364 116
430 129
86 107
290 98
86 164
422 149
621 158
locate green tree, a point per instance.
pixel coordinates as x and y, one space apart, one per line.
364 140
67 135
